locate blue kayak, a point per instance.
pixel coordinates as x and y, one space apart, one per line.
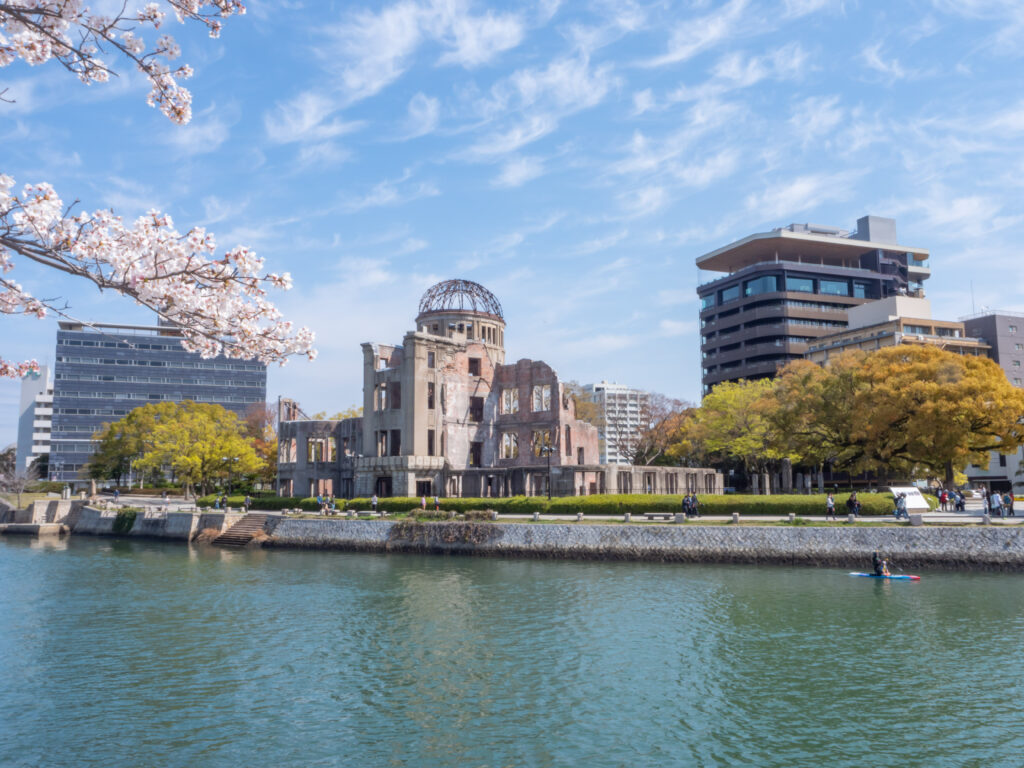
900 577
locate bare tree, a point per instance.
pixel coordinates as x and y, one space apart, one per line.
660 419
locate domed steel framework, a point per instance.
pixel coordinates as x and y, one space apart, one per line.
460 295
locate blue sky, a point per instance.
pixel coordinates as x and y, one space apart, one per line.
575 158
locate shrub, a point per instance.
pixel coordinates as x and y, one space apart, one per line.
124 520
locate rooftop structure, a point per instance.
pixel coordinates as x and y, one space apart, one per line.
892 321
786 288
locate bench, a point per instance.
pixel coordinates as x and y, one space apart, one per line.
655 515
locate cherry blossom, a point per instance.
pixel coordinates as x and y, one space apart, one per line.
220 304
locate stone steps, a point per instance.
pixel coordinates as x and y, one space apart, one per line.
242 532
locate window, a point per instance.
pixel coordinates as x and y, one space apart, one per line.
541 397
568 440
510 400
474 366
430 442
801 284
1012 329
834 287
1018 347
382 443
921 329
861 291
765 284
430 355
1016 363
509 445
707 301
579 456
396 442
396 395
541 441
729 294
381 396
1002 460
476 454
430 396
476 409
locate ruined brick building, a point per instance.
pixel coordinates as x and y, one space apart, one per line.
443 413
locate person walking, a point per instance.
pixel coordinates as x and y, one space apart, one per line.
247 503
423 503
437 504
830 507
853 505
901 506
1008 503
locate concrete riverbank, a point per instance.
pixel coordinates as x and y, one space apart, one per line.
981 547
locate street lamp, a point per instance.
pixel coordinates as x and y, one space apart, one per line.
231 470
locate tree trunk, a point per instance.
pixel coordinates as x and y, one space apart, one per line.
949 476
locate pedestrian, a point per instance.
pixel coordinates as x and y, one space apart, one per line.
852 504
330 502
901 506
830 507
247 503
695 505
437 504
1008 503
944 500
423 503
995 504
163 497
686 505
117 495
373 503
216 503
876 563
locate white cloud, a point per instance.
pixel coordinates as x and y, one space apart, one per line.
643 101
476 40
514 138
322 155
392 192
305 118
676 327
816 116
424 115
713 168
206 133
890 68
803 193
694 36
216 210
596 244
518 171
736 71
643 202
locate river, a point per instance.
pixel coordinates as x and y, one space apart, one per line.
132 653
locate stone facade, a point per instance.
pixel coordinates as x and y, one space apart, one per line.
445 415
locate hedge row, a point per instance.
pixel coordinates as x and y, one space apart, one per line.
611 504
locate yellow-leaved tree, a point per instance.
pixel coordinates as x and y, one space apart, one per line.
200 443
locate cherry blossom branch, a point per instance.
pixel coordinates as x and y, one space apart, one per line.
219 304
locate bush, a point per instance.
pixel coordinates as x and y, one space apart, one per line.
608 504
45 486
125 520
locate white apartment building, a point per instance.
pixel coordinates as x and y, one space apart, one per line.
623 409
35 417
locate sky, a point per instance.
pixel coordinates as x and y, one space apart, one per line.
573 157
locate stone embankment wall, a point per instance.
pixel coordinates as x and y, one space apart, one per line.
181 526
981 547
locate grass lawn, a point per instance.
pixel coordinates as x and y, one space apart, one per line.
26 498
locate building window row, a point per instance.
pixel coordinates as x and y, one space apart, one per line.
156 363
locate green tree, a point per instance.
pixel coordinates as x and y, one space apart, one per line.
201 444
352 412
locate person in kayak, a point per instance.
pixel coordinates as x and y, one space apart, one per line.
877 563
885 568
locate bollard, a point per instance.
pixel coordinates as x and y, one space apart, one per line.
493 514
626 517
451 514
735 517
792 517
851 519
680 518
579 517
351 513
986 520
916 520
536 517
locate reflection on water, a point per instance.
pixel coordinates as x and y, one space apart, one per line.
149 653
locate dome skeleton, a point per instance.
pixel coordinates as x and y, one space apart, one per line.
460 296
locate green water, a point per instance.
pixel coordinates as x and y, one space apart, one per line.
117 653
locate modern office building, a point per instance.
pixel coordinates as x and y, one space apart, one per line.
444 414
623 410
1004 333
103 371
892 321
784 289
35 416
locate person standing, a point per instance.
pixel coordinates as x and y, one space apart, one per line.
1008 503
437 504
995 504
423 503
373 503
247 503
830 507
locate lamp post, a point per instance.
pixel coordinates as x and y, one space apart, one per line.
228 460
546 450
